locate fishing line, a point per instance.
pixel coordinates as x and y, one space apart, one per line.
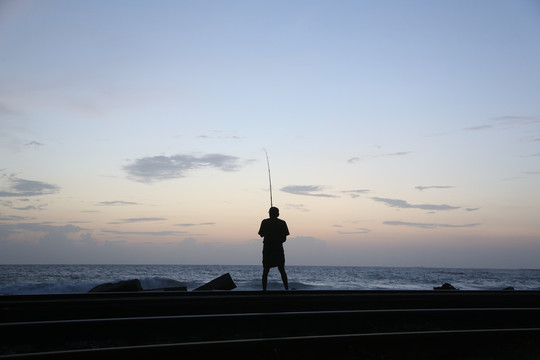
269 177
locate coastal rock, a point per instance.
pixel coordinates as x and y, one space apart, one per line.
445 286
224 282
121 286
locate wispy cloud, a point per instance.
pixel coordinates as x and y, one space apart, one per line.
402 204
477 128
505 121
472 209
30 207
516 120
14 218
356 159
428 225
497 122
400 153
22 188
49 228
422 188
199 224
33 144
137 220
355 193
53 232
357 231
148 233
306 190
157 168
117 203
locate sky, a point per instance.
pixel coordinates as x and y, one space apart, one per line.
397 133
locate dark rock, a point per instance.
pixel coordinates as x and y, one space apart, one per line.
121 286
509 288
224 282
445 286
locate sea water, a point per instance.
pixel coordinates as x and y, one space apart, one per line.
62 279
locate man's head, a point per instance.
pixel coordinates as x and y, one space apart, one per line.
274 212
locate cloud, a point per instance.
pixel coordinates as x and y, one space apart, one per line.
355 193
117 203
428 225
88 240
48 228
6 230
158 168
22 188
405 205
13 218
30 207
497 122
471 209
517 120
476 128
149 233
357 231
33 144
199 224
400 153
136 220
422 188
6 203
306 190
356 159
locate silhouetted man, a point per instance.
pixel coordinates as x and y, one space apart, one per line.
274 231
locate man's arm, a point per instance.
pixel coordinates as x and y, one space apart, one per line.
262 229
285 231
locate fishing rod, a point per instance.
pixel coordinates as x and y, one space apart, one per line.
269 177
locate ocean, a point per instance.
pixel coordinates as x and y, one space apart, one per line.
64 279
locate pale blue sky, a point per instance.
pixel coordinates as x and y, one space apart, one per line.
399 133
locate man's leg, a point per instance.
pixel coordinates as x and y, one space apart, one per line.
284 276
265 277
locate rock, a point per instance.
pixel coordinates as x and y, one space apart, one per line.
224 282
121 286
509 288
445 286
